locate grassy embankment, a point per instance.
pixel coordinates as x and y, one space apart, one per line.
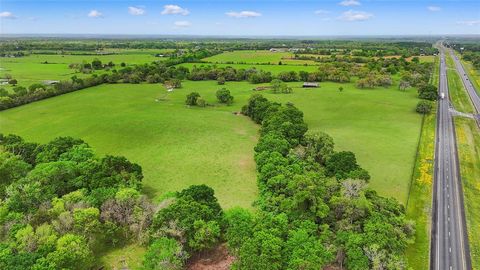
468 143
420 197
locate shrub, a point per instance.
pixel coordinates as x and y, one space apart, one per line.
192 99
224 96
164 253
424 107
428 91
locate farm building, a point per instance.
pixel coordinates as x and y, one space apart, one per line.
310 85
279 50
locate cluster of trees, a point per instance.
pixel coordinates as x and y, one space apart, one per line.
473 57
96 64
223 96
315 209
424 107
280 87
373 80
428 92
21 95
59 204
192 222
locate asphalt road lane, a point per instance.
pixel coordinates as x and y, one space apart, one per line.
449 246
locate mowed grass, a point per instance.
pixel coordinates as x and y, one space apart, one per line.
177 146
274 69
256 57
419 205
33 69
468 142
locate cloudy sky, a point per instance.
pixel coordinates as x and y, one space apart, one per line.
240 17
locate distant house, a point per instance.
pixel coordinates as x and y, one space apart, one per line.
310 85
278 49
50 82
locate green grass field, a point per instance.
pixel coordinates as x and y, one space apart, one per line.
176 146
32 68
419 205
257 57
468 142
274 69
179 146
420 200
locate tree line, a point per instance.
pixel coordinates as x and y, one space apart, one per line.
373 74
315 207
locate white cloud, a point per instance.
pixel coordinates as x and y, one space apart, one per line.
7 15
243 14
353 15
136 11
174 10
182 24
348 3
321 12
470 22
95 14
434 8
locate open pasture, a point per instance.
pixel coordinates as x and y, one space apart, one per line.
274 69
179 146
35 68
257 57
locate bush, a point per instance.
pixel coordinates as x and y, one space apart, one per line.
428 92
192 99
224 96
201 102
221 80
164 253
424 107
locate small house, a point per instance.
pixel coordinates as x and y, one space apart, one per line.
310 85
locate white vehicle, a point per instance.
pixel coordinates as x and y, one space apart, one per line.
442 95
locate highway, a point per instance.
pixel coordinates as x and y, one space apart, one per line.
467 84
449 242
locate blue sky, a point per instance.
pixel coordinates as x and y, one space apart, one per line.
240 17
